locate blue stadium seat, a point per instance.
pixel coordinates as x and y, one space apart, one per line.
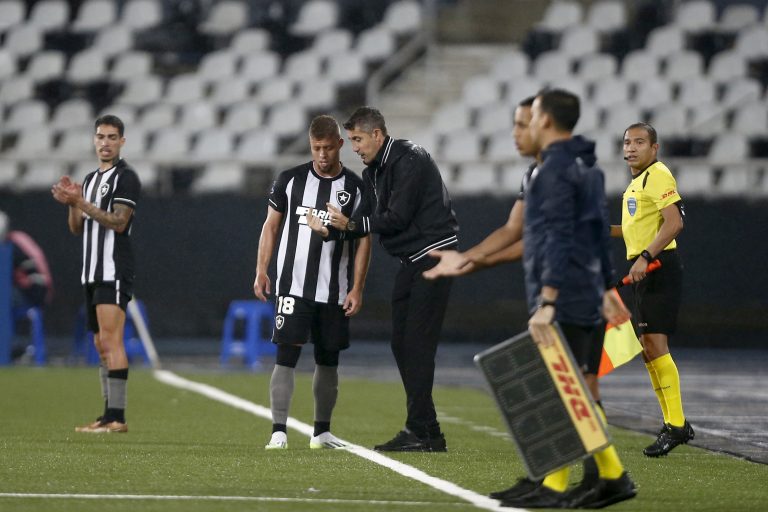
255 341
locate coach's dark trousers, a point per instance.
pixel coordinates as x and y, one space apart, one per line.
418 310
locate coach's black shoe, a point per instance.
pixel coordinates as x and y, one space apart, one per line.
523 486
406 441
540 497
669 438
606 492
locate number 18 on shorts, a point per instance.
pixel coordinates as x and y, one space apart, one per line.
298 321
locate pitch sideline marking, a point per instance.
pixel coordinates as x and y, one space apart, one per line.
161 497
219 395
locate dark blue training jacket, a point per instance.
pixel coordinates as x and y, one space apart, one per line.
567 232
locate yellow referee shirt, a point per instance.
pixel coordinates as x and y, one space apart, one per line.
649 192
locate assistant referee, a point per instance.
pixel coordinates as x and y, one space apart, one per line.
651 217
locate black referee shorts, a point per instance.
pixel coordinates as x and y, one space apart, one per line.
108 292
586 343
298 320
657 297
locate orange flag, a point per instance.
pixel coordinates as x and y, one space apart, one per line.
620 345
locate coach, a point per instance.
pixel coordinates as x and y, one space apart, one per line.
409 207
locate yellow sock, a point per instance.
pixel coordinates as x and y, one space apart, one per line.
657 390
558 481
608 462
669 382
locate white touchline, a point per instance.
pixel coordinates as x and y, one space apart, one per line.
214 393
171 497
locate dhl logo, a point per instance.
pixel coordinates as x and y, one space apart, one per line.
669 194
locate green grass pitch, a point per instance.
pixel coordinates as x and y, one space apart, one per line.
182 444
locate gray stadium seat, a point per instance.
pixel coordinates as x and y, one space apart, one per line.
375 44
141 90
157 117
304 65
243 117
609 92
40 175
752 42
184 89
217 65
318 94
286 119
696 91
194 117
665 40
511 175
494 117
9 172
616 179
480 90
607 15
695 15
510 66
346 68
29 141
728 149
501 148
11 14
522 88
639 65
683 65
579 40
670 120
708 119
552 66
403 17
741 90
738 181
87 66
315 17
75 144
15 89
260 66
561 14
23 40
257 147
26 114
694 180
332 42
71 113
451 117
737 17
589 118
475 178
462 146
169 146
225 18
619 116
275 90
250 40
213 144
94 15
113 40
46 65
126 113
597 66
228 91
751 118
220 177
49 14
142 14
7 65
130 65
651 93
727 65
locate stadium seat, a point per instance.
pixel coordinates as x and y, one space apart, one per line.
257 147
696 91
741 90
217 65
609 92
169 146
46 65
665 40
651 93
226 17
751 118
26 114
552 66
194 117
330 43
258 319
229 90
49 15
451 117
126 113
136 144
695 15
462 146
130 65
619 116
737 181
243 117
375 44
23 40
475 178
561 14
736 17
708 120
607 146
75 144
315 17
304 65
752 42
728 149
113 40
11 14
597 66
72 113
8 65
142 14
511 175
607 15
616 180
250 40
87 66
403 17
260 66
589 118
9 173
16 89
683 66
494 117
727 65
275 90
94 15
318 94
522 88
579 41
510 66
638 65
480 90
501 148
141 90
213 144
220 177
669 120
184 89
346 68
157 117
40 174
286 119
694 180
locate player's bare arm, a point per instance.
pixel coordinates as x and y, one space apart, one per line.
261 285
671 226
354 301
116 220
616 231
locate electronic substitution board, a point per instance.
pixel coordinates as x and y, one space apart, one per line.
543 399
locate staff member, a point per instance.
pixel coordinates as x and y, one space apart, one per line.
651 218
409 207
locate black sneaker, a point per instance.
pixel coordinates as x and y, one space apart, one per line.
540 497
605 492
523 486
669 438
406 441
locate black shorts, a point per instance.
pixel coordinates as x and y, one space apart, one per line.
657 297
299 320
109 292
586 343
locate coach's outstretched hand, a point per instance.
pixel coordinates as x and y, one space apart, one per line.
452 263
316 224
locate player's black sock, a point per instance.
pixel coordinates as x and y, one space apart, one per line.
279 427
322 426
114 414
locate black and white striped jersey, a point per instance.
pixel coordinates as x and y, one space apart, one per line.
107 255
307 266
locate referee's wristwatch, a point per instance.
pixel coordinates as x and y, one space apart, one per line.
543 303
647 256
351 225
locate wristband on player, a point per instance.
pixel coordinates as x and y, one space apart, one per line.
645 254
